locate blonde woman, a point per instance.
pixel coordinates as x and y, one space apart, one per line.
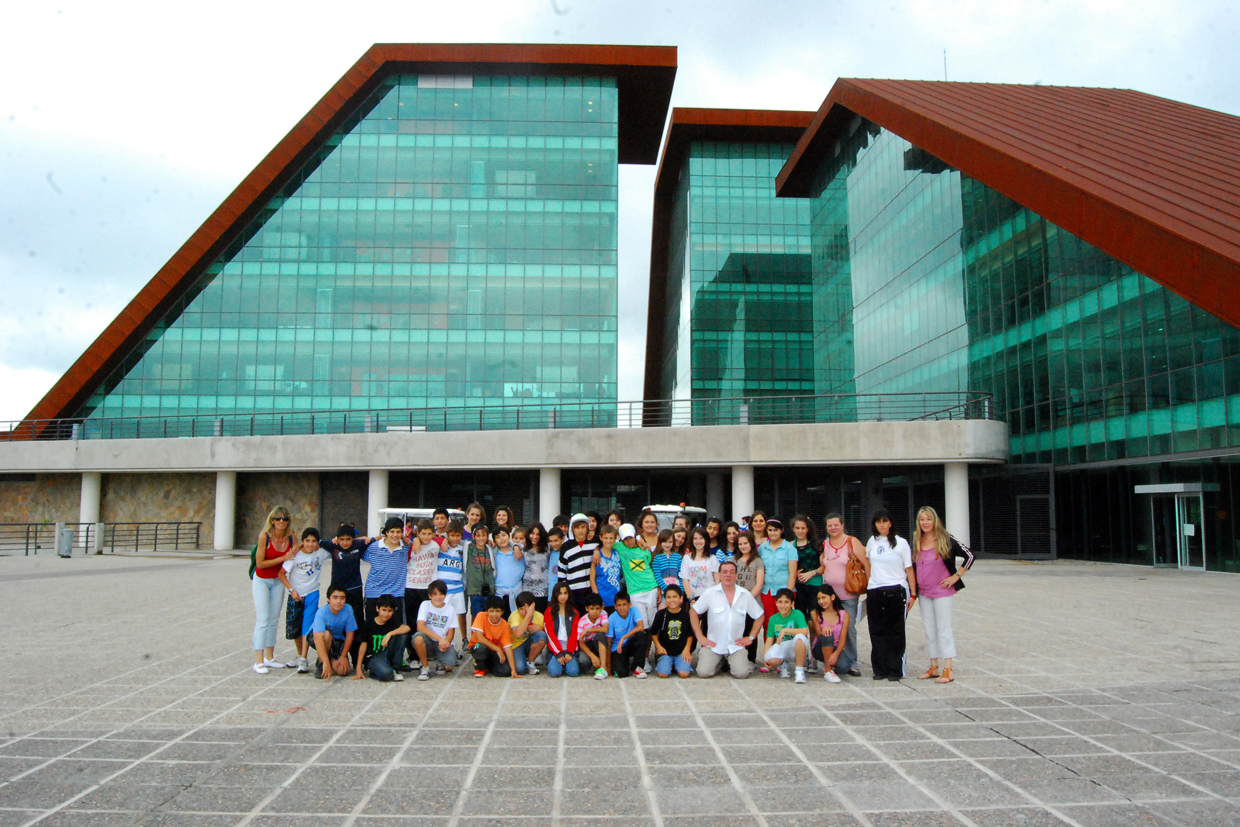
274 546
937 583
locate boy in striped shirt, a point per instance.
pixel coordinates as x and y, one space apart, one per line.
452 573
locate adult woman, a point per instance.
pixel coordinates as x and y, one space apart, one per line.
648 531
937 582
274 546
537 563
891 569
835 553
809 563
780 560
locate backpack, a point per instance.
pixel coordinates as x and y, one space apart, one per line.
253 560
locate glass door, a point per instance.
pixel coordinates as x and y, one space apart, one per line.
1191 531
1165 542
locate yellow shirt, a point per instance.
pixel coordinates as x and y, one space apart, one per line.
514 620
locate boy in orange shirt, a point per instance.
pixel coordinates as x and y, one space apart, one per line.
491 645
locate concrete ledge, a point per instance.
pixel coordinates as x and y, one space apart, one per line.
898 443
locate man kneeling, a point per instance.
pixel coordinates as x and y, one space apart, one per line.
728 608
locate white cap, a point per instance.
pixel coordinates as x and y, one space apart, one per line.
627 532
578 518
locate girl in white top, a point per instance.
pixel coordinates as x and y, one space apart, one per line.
892 590
699 569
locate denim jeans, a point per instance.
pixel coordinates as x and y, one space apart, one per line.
521 654
268 606
848 658
555 668
382 664
667 664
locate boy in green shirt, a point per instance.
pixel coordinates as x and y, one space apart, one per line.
788 636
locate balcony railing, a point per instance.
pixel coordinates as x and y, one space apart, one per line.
659 413
31 538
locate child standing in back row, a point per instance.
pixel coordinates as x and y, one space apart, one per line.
452 573
606 569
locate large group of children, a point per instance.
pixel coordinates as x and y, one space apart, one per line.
599 596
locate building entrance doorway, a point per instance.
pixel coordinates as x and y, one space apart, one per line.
1177 514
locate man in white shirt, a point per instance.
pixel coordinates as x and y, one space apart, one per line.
728 607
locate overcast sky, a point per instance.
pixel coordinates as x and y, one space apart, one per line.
123 125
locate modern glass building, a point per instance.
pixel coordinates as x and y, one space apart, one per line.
439 232
731 304
937 267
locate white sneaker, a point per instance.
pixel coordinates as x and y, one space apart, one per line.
639 673
600 674
260 669
531 669
425 675
272 664
302 666
292 664
783 671
398 677
800 678
830 677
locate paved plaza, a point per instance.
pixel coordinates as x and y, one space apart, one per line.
1085 694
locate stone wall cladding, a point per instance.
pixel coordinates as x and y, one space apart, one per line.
257 494
344 500
50 498
151 498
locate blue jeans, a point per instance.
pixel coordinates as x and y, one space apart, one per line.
477 605
667 664
521 654
268 605
382 664
849 656
555 668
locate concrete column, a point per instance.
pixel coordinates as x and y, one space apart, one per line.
956 500
377 499
742 491
88 510
714 495
549 497
225 509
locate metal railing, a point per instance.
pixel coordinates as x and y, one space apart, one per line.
659 413
31 538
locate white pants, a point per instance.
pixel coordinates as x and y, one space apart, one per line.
936 617
787 650
646 604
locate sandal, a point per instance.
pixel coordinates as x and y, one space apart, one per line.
948 677
931 672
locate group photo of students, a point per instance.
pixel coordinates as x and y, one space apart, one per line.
600 597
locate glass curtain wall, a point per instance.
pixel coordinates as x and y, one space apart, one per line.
453 244
739 317
927 280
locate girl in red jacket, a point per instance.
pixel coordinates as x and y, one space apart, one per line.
561 627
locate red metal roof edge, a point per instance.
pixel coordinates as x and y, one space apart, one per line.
1187 267
689 124
645 75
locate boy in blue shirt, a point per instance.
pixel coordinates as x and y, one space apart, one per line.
627 635
334 628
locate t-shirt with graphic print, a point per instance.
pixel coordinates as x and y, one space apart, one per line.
437 620
373 632
672 629
638 575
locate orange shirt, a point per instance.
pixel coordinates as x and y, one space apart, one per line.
499 634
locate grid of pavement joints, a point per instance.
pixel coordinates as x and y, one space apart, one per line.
1087 695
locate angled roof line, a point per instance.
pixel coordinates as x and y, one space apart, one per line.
687 126
644 77
1147 180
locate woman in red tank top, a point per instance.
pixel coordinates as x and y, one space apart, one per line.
275 545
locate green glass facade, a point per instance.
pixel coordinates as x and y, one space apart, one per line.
940 283
453 244
739 311
926 279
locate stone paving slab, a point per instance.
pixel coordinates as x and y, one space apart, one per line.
1085 695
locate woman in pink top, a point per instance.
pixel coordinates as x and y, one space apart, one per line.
934 558
836 550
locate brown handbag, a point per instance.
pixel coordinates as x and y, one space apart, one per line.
855 579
